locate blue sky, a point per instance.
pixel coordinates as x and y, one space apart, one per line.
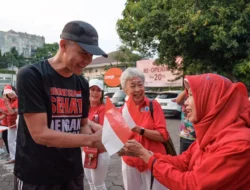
47 18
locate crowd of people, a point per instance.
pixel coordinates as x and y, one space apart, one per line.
61 114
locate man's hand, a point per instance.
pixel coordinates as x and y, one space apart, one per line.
97 140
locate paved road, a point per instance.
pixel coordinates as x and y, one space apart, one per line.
114 177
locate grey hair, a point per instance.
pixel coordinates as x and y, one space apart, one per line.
129 73
70 42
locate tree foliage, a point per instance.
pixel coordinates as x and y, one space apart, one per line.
12 58
210 35
45 52
125 57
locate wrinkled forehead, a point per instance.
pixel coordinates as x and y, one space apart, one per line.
135 80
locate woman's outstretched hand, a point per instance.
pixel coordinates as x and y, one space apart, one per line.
135 149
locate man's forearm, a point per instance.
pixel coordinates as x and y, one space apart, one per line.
58 139
85 129
94 126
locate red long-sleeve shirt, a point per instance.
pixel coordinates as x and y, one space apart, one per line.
225 167
220 157
157 123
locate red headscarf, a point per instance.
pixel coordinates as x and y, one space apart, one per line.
220 104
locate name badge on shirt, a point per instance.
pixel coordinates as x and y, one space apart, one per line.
145 109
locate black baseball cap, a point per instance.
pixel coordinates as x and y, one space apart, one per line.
85 35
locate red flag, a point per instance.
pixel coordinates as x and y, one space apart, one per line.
115 130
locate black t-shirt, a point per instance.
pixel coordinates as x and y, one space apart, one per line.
66 101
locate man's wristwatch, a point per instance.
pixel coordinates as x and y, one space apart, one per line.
142 131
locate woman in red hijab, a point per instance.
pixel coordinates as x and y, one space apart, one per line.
220 156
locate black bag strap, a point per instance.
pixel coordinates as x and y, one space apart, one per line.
151 109
152 175
169 146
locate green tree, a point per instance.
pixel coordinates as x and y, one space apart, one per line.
125 57
12 58
45 52
210 35
3 63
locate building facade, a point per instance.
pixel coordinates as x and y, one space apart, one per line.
98 66
24 43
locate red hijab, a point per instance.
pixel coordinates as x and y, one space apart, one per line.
221 106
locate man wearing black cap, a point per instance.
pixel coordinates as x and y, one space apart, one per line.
53 108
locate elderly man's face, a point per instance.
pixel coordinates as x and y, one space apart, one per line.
76 59
134 88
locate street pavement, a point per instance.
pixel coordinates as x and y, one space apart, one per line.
114 176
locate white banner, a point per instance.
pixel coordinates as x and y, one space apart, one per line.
157 76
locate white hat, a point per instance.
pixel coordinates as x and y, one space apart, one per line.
96 82
8 90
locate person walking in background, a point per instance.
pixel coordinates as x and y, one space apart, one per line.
150 132
187 133
2 116
96 177
3 122
220 156
10 109
53 114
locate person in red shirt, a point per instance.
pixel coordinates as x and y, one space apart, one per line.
220 156
96 177
3 122
150 132
10 109
2 116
